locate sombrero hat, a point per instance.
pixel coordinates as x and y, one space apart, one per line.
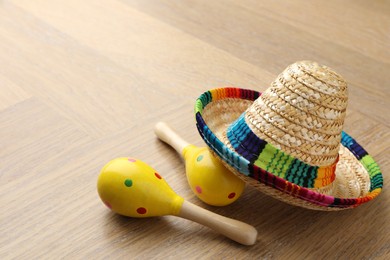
288 141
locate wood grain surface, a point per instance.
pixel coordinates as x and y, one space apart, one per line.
84 82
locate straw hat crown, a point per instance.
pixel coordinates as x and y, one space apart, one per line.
302 113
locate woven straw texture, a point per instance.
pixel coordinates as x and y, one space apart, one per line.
302 114
288 141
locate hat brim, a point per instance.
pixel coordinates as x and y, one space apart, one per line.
216 109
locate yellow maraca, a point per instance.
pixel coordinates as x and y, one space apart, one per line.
211 182
132 188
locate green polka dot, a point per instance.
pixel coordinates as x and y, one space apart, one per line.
200 157
128 182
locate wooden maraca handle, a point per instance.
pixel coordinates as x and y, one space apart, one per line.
231 228
236 230
167 135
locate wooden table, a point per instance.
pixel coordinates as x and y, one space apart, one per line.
83 82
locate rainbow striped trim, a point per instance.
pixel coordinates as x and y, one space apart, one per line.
264 175
266 156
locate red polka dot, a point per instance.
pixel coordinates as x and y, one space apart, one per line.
131 160
141 211
232 195
198 189
108 204
157 175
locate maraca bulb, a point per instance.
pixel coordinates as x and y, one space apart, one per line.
211 182
132 188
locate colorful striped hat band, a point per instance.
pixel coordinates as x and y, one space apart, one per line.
288 142
266 156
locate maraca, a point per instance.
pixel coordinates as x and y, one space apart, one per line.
211 182
132 188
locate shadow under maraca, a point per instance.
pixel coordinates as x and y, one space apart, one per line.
135 234
127 231
135 227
